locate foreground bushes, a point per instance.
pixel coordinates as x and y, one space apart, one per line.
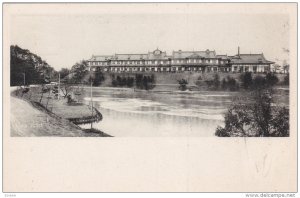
255 116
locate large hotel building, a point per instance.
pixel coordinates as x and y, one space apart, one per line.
180 61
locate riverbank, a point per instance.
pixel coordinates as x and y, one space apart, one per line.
31 116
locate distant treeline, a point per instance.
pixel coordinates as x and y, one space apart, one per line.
140 81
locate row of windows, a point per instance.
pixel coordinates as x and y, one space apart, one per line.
156 62
246 68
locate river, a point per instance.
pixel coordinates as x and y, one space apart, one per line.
129 113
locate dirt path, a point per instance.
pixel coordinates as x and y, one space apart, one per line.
29 121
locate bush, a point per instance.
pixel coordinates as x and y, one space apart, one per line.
98 78
144 82
286 80
255 117
259 82
246 79
229 84
122 81
271 79
183 84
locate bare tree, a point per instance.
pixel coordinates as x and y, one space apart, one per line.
66 89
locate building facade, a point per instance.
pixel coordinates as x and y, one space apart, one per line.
180 61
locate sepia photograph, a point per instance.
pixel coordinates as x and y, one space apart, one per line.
112 72
113 75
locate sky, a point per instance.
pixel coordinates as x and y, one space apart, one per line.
64 39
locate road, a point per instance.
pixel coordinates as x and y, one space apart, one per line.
28 121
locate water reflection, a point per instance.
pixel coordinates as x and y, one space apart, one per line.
129 113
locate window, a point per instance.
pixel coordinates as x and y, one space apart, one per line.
194 60
254 68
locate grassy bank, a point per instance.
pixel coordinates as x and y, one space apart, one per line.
60 113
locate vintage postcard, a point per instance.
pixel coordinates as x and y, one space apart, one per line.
153 97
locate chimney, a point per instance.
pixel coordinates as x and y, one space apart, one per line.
238 50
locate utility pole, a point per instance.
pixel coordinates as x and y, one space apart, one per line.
91 95
24 78
58 86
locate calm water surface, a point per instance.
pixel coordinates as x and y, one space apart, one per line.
129 113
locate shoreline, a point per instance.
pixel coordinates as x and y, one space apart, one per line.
57 123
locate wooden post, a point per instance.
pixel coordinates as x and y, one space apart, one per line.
58 90
24 78
48 99
91 95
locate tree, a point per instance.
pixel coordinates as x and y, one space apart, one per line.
96 76
66 90
246 79
183 84
286 80
216 82
229 84
259 82
80 72
144 82
255 116
23 62
64 72
271 79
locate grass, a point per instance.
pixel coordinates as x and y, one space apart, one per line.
59 107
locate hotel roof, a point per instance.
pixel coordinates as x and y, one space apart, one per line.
250 59
160 55
186 54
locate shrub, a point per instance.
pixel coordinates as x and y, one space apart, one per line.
246 79
255 117
229 84
183 84
286 80
145 82
259 82
271 79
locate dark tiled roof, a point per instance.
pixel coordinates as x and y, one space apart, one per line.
100 58
159 55
185 54
249 59
130 56
222 56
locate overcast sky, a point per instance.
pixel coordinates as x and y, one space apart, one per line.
63 40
